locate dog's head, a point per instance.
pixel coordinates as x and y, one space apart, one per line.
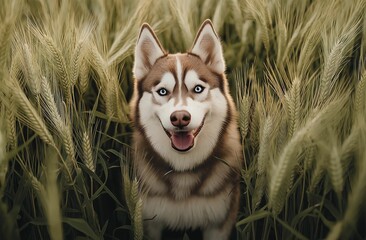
180 100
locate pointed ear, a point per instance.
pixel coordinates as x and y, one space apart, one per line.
208 47
148 50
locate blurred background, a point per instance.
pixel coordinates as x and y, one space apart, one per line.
296 70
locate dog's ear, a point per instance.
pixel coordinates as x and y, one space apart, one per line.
148 50
208 47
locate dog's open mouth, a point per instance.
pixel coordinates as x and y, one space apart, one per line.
183 140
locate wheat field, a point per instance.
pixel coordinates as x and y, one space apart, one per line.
296 69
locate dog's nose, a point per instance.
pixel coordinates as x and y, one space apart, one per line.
180 118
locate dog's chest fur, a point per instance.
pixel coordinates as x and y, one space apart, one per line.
188 199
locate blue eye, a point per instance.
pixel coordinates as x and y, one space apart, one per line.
198 88
162 92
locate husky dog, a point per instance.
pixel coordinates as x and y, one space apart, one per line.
186 139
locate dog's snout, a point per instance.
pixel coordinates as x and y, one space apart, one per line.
180 118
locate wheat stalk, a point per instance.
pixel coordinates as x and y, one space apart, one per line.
335 170
293 103
263 154
244 115
76 61
309 157
259 10
66 135
84 77
221 11
87 152
307 50
282 34
254 127
36 185
181 9
5 34
58 61
11 123
127 35
138 231
317 175
59 125
51 195
291 43
360 96
100 65
79 54
11 109
331 68
350 145
136 211
335 54
259 189
332 166
133 202
28 115
15 67
110 99
311 37
34 81
50 107
60 65
238 17
48 194
134 192
109 86
283 170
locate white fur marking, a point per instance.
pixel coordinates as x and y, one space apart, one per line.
179 76
193 212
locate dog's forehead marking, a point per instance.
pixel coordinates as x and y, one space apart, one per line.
179 78
179 67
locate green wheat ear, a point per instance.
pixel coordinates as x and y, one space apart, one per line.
87 151
60 125
138 221
57 61
134 203
293 103
360 99
244 115
28 115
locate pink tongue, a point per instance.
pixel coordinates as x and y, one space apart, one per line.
182 140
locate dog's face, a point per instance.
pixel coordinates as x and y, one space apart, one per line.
181 104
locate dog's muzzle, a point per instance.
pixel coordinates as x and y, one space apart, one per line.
183 140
